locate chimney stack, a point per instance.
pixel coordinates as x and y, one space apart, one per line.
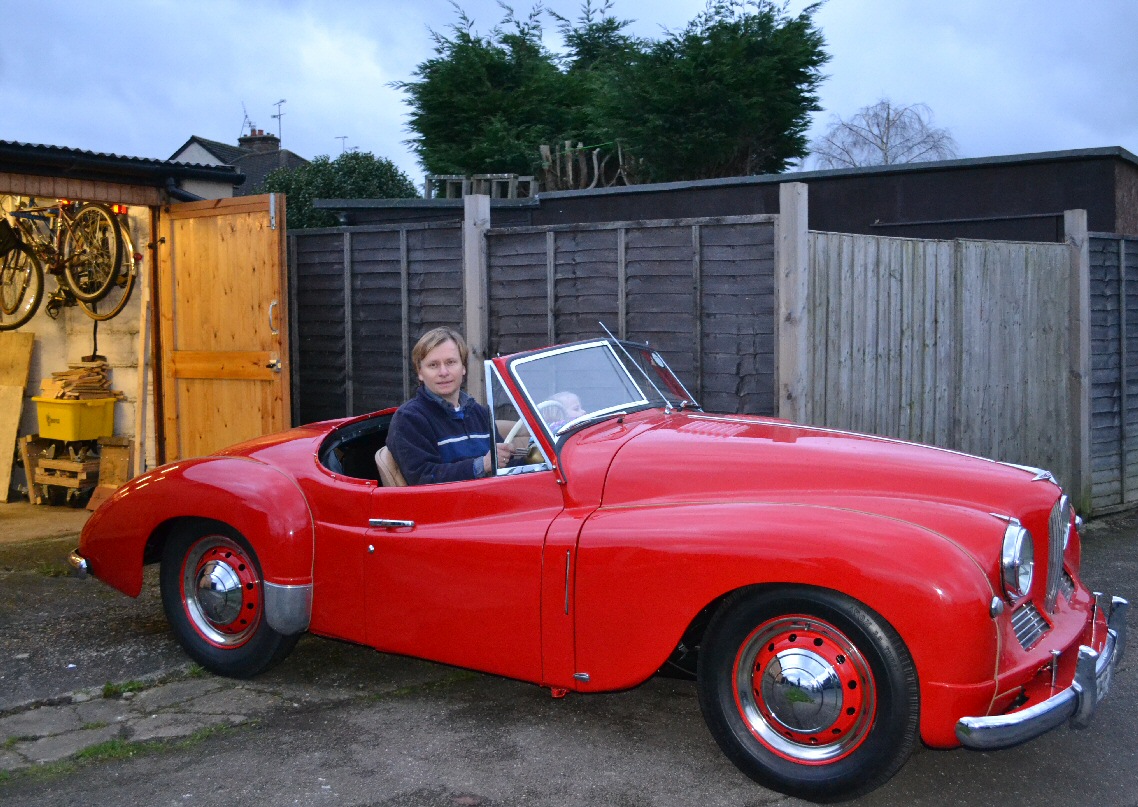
260 142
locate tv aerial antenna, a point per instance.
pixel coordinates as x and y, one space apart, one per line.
278 116
246 124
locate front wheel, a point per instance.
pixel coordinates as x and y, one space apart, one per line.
808 692
21 286
213 594
92 252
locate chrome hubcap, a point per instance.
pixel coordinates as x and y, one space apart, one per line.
221 591
804 689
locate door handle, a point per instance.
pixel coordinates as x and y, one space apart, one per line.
273 329
389 523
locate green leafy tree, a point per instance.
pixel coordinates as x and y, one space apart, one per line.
352 175
485 104
730 94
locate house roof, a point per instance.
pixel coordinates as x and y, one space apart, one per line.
255 164
258 165
43 160
222 151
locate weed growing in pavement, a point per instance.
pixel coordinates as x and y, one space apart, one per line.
114 750
118 690
196 671
49 569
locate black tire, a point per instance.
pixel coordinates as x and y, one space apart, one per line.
808 692
92 252
116 298
226 633
21 286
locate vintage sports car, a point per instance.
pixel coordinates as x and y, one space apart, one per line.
837 596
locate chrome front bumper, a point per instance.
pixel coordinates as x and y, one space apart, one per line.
1076 704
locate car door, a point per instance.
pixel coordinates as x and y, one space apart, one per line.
454 571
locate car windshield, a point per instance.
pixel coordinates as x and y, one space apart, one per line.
577 384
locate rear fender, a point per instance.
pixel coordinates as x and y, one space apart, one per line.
259 501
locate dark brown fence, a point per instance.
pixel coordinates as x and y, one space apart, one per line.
1114 371
1021 352
700 290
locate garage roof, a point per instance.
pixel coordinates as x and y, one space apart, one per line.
58 161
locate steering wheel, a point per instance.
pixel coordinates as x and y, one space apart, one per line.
517 427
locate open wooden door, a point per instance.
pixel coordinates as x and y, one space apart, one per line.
223 328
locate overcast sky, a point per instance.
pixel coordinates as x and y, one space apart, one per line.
139 77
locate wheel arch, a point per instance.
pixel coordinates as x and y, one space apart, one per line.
261 503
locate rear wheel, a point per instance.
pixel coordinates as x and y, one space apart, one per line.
213 594
92 252
808 692
116 298
21 286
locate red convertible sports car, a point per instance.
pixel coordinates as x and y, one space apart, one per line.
837 596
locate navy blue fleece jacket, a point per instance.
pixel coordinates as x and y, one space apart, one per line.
434 442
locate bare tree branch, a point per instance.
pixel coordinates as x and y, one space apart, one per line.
883 134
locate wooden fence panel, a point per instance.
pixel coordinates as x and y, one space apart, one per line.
363 294
519 303
319 300
959 344
1114 371
701 291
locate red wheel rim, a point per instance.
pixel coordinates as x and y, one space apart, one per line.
221 591
804 690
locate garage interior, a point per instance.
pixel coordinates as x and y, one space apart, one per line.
70 352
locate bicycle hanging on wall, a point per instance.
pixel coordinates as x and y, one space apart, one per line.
82 245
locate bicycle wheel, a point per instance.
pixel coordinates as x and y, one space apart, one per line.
92 252
113 302
21 286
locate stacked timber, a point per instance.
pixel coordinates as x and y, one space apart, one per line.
85 380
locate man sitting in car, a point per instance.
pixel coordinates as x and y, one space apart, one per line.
442 434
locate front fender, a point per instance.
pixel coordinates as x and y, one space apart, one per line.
645 572
259 501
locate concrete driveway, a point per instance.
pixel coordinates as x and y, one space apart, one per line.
98 706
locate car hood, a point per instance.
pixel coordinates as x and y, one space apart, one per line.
693 457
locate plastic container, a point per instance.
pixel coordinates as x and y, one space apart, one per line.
62 419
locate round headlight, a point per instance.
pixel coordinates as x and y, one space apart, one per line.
1017 561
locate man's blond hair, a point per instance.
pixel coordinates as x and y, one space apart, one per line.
432 339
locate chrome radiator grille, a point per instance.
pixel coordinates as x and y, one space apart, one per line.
1057 528
1029 625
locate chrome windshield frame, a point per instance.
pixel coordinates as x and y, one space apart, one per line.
594 415
492 373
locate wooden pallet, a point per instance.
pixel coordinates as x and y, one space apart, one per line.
51 472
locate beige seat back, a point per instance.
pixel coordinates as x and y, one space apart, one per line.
389 472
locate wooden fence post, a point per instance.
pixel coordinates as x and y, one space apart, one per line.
1075 230
349 308
792 291
475 291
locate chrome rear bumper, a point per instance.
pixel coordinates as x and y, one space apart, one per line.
1076 704
78 564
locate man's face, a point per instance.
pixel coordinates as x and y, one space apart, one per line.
442 371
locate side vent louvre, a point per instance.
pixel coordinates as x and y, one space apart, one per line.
1029 625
